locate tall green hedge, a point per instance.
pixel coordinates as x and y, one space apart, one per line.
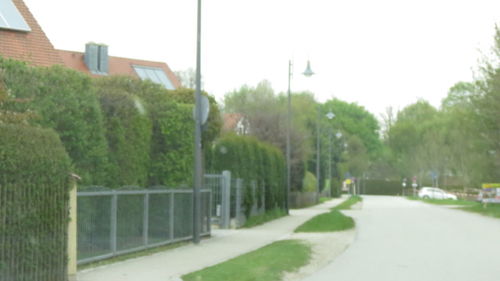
172 144
128 130
34 184
382 187
252 160
65 101
212 128
170 148
116 130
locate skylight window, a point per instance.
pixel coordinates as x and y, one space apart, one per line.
155 74
10 18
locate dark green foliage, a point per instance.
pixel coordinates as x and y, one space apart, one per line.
252 160
63 100
34 185
211 129
172 143
382 187
336 187
128 131
172 149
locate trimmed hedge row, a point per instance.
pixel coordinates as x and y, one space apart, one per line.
382 187
252 160
65 101
117 130
34 186
128 131
162 125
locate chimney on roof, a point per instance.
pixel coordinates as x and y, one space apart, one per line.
96 58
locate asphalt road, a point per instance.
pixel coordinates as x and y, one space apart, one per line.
403 240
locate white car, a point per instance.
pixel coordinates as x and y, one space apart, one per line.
435 193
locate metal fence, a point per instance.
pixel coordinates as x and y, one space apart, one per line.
220 185
115 222
228 199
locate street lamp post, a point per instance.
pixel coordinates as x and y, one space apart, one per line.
198 177
318 183
308 73
330 116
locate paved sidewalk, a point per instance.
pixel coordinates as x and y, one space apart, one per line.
223 245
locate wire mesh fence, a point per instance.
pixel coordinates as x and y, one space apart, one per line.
114 222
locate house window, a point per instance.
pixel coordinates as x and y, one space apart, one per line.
10 18
155 74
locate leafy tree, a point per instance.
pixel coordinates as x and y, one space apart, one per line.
487 105
353 119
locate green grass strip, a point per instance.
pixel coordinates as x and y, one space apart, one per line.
265 264
328 222
347 204
450 202
261 219
324 199
444 201
491 210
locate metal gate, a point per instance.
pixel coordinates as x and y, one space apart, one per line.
220 185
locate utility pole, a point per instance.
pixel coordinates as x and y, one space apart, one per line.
198 177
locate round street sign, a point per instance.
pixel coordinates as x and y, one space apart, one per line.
205 110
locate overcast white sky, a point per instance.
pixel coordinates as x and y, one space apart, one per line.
376 53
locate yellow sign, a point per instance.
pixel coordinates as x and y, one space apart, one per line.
490 185
348 181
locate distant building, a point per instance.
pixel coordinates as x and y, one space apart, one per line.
22 38
235 122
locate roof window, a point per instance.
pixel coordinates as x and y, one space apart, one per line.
155 74
10 18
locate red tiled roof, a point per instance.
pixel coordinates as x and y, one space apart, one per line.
230 121
117 66
33 47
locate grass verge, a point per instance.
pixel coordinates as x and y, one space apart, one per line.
490 210
347 204
133 255
328 222
324 199
450 202
443 201
264 264
261 219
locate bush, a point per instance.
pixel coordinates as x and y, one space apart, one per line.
252 160
170 133
336 187
34 185
382 187
128 131
211 129
309 182
65 101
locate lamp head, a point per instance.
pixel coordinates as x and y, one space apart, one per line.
308 72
